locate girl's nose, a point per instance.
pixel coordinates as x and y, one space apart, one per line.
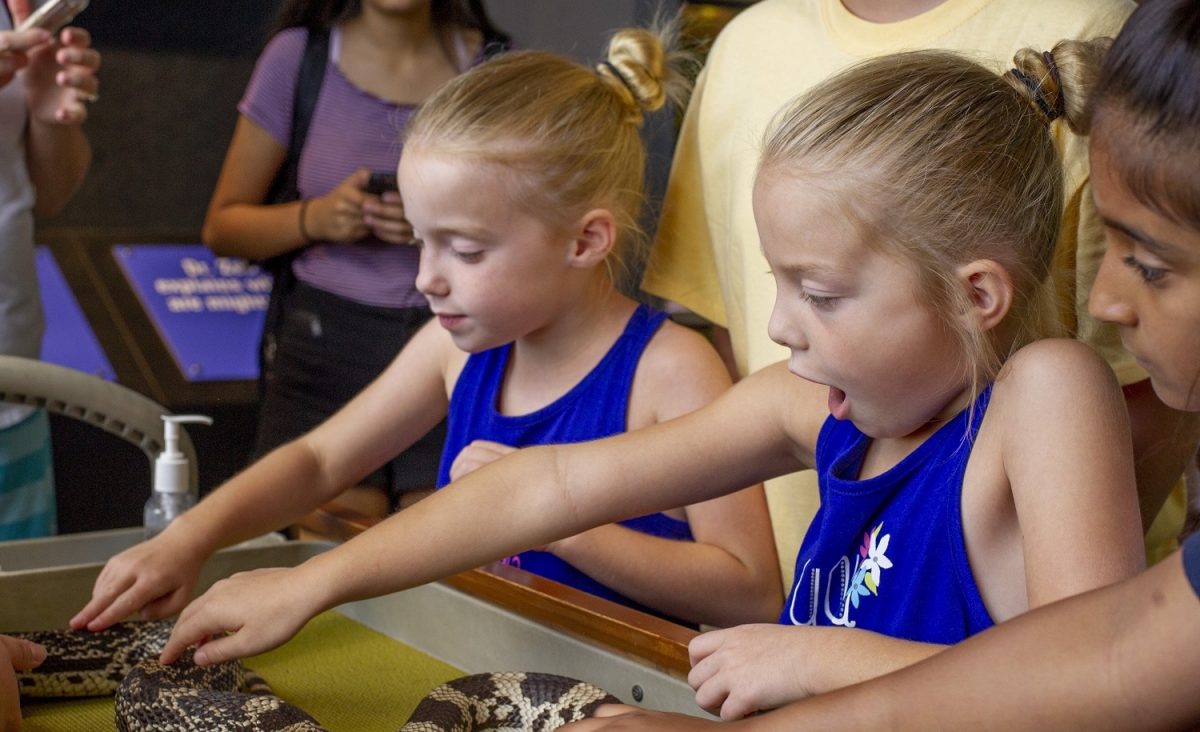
1107 301
784 330
429 282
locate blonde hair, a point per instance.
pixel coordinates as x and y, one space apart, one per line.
569 135
940 161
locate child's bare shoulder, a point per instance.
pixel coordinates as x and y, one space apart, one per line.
678 372
677 351
1055 371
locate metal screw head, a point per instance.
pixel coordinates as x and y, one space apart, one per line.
637 693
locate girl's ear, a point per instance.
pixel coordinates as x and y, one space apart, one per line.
989 290
595 237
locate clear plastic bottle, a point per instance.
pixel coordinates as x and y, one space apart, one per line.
163 508
171 495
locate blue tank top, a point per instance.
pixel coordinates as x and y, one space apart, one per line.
887 553
595 407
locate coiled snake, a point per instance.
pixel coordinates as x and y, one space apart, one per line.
183 696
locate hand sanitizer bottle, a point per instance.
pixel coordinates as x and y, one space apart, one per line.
171 495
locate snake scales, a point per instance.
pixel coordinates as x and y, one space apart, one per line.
183 696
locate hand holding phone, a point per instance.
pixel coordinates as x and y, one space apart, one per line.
386 216
382 181
53 15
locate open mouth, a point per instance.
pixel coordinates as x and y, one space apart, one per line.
839 407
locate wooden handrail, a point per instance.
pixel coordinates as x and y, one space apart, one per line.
621 629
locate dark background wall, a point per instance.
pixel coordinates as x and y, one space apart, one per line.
173 73
171 77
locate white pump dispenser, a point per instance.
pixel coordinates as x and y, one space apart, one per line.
171 495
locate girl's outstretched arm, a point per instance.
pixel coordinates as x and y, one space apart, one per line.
730 573
1117 658
530 498
155 578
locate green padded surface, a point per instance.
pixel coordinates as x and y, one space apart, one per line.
344 674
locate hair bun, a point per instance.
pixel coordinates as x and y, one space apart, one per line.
638 68
1056 83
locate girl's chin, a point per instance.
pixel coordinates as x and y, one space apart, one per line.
1185 399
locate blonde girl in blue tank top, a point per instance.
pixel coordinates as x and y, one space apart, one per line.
908 210
1121 657
523 181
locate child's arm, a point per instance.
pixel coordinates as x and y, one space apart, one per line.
1051 472
57 81
157 576
1117 658
730 573
530 498
241 223
1067 455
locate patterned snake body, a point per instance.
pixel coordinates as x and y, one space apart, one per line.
183 696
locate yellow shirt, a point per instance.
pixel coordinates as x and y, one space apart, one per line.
706 256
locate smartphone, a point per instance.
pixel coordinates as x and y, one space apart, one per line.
53 15
382 181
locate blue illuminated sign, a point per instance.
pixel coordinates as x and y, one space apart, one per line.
69 340
209 310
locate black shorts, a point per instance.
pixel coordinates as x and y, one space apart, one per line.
328 349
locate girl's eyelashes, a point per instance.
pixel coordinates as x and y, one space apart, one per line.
468 257
820 302
1148 274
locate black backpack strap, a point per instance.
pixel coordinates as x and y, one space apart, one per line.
284 188
304 100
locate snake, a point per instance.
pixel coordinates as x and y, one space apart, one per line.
149 696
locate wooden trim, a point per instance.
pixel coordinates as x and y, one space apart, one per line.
660 643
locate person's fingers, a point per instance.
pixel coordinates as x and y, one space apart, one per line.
73 35
703 646
77 77
23 654
88 58
120 608
109 586
71 113
164 606
188 631
711 695
10 64
22 41
394 232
